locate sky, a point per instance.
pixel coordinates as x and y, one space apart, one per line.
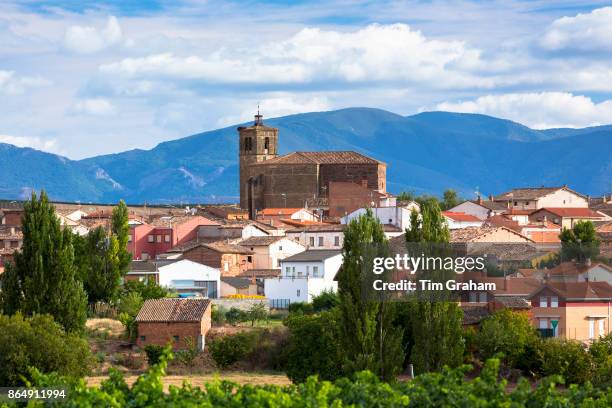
84 78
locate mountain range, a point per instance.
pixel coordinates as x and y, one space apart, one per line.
425 153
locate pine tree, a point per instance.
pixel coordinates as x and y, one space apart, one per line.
435 320
103 258
43 277
369 340
580 243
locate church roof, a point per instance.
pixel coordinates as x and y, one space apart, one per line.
321 158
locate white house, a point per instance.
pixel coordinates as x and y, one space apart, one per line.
456 220
534 198
190 278
481 209
270 250
303 276
397 216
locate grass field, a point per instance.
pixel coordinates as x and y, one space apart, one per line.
239 377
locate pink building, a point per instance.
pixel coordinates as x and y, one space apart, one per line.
147 240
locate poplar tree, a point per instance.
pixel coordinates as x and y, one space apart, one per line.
435 319
368 338
42 279
103 258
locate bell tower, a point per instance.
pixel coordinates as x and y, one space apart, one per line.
256 143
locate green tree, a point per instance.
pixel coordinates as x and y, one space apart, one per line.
326 300
43 278
505 332
320 336
103 258
579 243
39 342
435 319
450 199
367 336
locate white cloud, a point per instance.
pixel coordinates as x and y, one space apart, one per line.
11 84
94 106
584 32
87 39
374 53
538 110
275 106
48 145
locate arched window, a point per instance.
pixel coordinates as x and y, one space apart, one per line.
267 143
248 144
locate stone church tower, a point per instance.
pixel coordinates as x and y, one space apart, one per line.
257 143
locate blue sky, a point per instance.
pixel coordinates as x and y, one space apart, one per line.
86 78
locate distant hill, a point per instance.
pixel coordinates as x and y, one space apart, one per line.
427 152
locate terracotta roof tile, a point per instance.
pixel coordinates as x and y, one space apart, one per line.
460 216
332 157
173 310
572 212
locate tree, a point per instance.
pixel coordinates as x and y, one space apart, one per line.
505 332
450 199
319 335
43 277
39 342
579 243
103 258
367 337
326 300
257 312
435 319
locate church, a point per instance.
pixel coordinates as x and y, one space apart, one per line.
268 180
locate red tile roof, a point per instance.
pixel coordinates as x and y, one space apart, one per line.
460 216
573 212
580 290
279 211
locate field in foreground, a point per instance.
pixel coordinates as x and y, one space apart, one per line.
239 377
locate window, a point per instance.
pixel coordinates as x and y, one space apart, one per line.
249 259
280 247
143 338
287 270
176 338
473 297
336 241
602 331
543 324
267 144
226 266
516 203
591 328
150 238
307 269
159 238
390 221
526 202
130 238
298 293
554 301
543 301
482 297
311 241
321 239
167 238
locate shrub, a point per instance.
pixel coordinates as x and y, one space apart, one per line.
601 354
131 327
301 307
188 355
130 303
235 316
217 315
566 358
154 353
318 334
325 301
228 350
148 289
448 388
41 343
131 361
505 332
